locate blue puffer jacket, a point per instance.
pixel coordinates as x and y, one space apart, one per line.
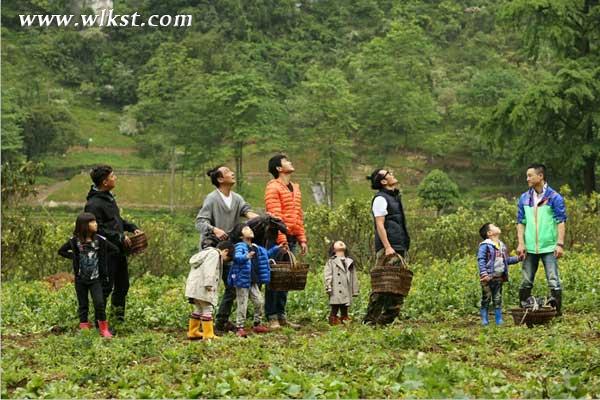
240 273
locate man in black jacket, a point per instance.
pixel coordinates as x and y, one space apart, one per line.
101 202
391 237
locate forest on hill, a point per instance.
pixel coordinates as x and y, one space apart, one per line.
494 84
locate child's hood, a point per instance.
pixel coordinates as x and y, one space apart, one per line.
492 243
199 258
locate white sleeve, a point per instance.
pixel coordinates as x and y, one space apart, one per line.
380 206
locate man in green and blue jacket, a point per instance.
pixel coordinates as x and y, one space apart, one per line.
541 232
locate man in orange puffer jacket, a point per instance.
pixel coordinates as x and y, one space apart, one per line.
283 200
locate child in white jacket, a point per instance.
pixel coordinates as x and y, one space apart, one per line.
201 288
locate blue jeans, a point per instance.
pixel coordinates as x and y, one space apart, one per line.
530 267
276 300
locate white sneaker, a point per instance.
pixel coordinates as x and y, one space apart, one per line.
274 324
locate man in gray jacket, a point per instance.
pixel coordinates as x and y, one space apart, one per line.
220 212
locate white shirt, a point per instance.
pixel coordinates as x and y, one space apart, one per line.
537 197
380 205
226 199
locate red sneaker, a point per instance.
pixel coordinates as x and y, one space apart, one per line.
85 325
240 332
345 320
334 320
260 329
103 327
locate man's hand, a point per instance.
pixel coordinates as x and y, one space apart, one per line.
251 255
521 250
127 242
220 233
558 252
390 251
303 248
485 279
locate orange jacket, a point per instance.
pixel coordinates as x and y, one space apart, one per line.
287 205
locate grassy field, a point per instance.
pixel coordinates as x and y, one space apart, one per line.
101 124
437 348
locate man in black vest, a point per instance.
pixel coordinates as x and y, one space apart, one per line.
391 237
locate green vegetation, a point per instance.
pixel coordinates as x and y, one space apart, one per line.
476 91
436 349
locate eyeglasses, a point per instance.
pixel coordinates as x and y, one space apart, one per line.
386 174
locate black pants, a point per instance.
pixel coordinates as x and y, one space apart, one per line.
95 288
226 303
383 308
118 284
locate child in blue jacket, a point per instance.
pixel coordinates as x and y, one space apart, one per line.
493 261
249 269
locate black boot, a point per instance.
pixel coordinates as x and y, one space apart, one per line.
557 294
524 294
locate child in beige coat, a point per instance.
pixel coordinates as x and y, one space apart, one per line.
201 288
341 282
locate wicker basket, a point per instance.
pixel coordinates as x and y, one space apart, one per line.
139 243
530 318
288 275
395 279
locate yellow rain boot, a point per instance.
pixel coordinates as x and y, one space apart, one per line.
207 329
194 329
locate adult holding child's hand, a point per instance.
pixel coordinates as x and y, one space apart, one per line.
541 219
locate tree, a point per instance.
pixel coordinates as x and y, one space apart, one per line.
18 181
48 128
241 107
12 131
559 114
437 190
323 113
394 87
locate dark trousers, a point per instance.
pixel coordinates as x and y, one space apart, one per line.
95 288
491 292
341 308
276 300
226 303
118 284
383 308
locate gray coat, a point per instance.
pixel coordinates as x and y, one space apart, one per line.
341 281
205 275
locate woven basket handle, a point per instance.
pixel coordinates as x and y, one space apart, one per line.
293 260
390 257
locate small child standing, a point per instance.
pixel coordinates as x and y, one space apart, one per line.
201 288
250 268
341 282
493 261
89 253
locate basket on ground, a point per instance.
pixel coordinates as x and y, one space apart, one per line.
288 275
139 243
389 278
531 317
